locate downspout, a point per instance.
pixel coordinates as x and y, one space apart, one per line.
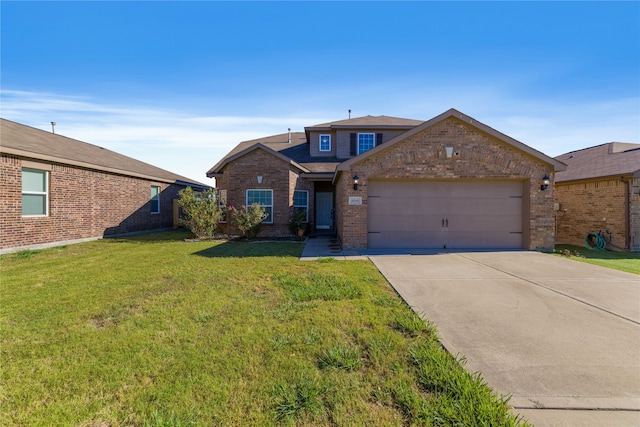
627 213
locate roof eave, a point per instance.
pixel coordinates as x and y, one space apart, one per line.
216 171
557 165
55 159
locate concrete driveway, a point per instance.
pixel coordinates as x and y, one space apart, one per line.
561 337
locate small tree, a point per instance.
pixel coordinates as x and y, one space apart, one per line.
248 220
297 225
201 211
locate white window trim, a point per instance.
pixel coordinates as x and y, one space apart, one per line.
358 142
320 142
38 193
246 201
158 196
306 207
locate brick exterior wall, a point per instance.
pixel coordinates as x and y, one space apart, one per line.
595 205
278 175
83 204
422 156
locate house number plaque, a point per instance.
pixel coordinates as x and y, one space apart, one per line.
355 200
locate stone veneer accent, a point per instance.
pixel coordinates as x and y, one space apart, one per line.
422 156
83 204
278 175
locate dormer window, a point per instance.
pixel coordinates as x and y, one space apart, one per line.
325 142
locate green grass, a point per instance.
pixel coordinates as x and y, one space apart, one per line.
156 331
624 261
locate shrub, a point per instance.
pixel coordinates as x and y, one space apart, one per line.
297 223
200 211
248 220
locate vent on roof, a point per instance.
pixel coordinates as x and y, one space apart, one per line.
289 141
349 112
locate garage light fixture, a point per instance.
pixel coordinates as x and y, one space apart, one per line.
355 182
545 182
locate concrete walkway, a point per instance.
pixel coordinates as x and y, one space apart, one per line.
327 247
561 337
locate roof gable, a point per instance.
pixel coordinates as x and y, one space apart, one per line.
295 152
558 166
611 159
234 155
25 141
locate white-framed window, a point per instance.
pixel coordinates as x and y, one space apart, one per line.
325 142
265 199
366 141
35 192
155 199
222 204
301 203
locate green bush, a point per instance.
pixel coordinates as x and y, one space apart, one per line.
248 220
200 211
297 223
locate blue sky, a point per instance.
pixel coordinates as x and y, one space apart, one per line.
178 84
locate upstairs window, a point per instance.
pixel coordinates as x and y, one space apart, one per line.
35 192
155 199
325 142
265 199
366 141
301 203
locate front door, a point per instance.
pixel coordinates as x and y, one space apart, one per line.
324 210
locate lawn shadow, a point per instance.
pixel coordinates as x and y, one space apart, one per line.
161 236
241 249
597 254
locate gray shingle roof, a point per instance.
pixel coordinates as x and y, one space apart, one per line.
611 159
370 121
26 141
297 151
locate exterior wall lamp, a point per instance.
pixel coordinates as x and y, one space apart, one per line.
545 182
355 182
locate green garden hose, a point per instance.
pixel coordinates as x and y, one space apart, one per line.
595 241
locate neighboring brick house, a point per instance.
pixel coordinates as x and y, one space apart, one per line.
385 182
600 192
57 190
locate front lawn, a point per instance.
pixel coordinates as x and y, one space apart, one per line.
624 261
156 331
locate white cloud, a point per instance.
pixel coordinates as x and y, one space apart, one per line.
172 140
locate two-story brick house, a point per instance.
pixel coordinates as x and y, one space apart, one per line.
386 182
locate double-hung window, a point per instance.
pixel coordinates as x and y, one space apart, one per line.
35 192
265 199
325 142
366 141
301 203
155 199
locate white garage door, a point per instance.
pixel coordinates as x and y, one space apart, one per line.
449 215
